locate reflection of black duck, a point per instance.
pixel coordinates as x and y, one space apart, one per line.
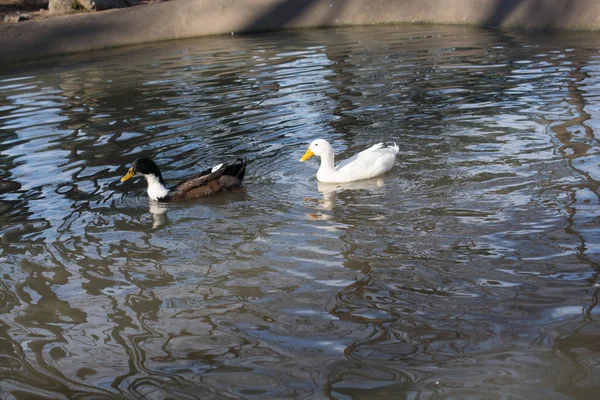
219 178
9 186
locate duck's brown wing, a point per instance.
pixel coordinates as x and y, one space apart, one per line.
208 182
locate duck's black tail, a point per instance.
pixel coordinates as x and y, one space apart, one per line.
237 168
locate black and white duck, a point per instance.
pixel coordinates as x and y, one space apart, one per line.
213 180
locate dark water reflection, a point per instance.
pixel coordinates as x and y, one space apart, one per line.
470 270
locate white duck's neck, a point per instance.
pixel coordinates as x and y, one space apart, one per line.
327 164
327 160
156 188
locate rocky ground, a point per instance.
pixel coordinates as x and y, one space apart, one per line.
13 11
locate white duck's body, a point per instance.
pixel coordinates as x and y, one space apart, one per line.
372 162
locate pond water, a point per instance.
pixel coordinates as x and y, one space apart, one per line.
468 271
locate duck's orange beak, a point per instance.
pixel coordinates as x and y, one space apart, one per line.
307 155
128 175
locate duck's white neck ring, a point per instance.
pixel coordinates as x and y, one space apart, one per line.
156 188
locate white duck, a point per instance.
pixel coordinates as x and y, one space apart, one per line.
369 163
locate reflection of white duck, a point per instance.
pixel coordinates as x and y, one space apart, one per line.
372 162
330 194
330 190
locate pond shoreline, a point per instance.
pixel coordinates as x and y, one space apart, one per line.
191 18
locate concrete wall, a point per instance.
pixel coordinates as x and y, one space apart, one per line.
188 18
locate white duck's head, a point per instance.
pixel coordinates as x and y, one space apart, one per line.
319 147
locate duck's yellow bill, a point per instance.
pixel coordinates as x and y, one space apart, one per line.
307 155
128 175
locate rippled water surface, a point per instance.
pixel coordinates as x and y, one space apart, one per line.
468 271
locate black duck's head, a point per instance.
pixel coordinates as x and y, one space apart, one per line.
144 166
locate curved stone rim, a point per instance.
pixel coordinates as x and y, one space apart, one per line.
191 18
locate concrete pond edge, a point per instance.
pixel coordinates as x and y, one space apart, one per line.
178 19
